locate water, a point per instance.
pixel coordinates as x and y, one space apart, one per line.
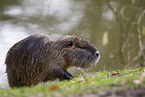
92 20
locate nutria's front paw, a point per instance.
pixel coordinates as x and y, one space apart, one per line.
65 75
66 78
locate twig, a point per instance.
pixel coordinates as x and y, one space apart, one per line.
134 59
139 33
132 17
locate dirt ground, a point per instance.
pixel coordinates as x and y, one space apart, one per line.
137 92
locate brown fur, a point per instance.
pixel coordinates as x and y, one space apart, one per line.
39 59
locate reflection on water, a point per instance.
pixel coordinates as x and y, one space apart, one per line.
94 20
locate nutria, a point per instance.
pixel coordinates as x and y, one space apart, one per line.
38 58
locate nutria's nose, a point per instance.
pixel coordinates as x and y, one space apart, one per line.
97 54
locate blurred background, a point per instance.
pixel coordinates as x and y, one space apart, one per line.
115 27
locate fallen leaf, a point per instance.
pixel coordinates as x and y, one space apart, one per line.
114 74
53 88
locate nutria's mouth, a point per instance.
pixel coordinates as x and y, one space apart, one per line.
87 64
90 63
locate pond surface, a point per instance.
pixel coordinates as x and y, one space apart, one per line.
93 20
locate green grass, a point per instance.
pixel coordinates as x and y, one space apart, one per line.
96 83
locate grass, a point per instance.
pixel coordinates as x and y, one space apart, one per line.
97 83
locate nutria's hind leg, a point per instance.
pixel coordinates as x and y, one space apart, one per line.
17 84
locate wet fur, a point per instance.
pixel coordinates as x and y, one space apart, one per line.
38 59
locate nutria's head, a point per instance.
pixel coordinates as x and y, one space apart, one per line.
77 52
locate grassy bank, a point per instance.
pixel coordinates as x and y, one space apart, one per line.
100 83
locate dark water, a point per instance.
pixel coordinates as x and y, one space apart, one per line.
109 24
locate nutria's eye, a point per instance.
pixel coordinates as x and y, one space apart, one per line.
69 44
